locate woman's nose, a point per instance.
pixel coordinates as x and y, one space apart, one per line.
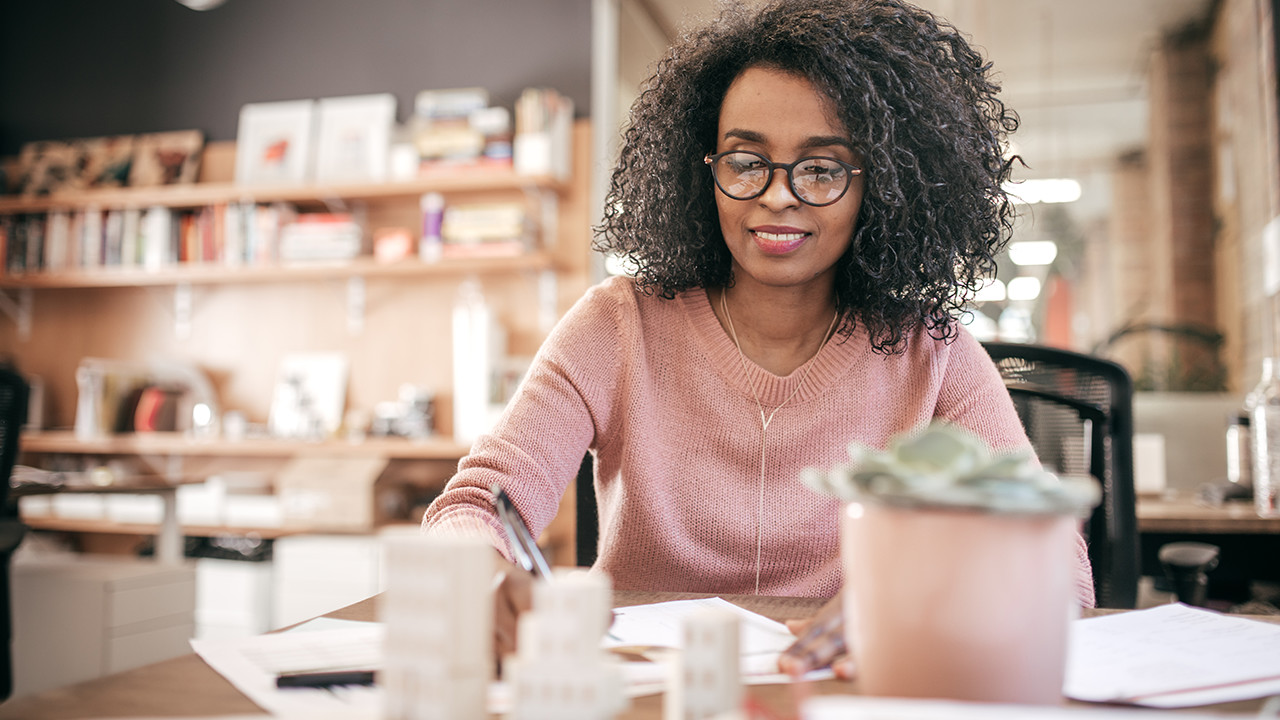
778 195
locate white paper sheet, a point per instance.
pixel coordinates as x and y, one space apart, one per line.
251 664
853 707
1172 656
658 626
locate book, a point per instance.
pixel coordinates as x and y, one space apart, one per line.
129 229
91 238
34 246
113 238
57 238
155 238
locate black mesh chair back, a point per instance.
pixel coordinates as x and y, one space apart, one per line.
1078 413
587 514
13 413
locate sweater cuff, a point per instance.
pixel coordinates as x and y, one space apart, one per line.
471 525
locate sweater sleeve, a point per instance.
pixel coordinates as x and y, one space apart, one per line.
535 449
974 396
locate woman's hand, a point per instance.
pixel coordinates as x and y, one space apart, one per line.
820 643
513 596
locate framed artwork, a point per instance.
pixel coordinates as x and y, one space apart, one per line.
47 166
353 138
105 162
310 395
169 158
273 142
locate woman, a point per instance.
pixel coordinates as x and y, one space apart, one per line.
805 194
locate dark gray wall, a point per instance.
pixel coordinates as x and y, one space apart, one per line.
89 68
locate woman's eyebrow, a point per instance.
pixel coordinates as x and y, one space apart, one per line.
812 142
748 135
828 141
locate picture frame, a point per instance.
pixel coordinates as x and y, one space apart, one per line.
273 142
167 158
49 166
353 138
310 394
106 162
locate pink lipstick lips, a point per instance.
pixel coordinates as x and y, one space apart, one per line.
778 240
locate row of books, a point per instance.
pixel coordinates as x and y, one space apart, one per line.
234 234
157 237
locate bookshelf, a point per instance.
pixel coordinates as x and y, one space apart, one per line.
211 274
211 193
178 444
244 318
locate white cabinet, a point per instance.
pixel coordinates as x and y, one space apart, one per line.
76 618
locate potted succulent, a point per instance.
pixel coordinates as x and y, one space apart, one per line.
959 567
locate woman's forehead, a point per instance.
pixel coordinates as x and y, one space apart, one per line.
770 105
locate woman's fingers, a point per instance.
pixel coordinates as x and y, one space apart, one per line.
820 641
513 596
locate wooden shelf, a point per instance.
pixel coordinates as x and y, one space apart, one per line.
453 180
179 444
110 527
1190 516
207 274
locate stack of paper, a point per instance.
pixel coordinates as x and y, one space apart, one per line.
1172 656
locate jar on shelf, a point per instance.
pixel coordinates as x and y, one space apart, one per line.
1263 404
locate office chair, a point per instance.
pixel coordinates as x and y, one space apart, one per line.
586 514
13 413
1078 413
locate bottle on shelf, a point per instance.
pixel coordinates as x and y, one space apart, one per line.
429 244
472 361
1263 405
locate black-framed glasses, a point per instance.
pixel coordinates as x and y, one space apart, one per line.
816 181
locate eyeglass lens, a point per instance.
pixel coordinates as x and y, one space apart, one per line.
815 180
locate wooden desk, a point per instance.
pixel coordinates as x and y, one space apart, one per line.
187 687
1250 545
1185 514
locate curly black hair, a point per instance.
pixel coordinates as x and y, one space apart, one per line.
919 104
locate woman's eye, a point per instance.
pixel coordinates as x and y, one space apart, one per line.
745 165
823 172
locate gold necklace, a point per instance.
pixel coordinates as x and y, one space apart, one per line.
766 420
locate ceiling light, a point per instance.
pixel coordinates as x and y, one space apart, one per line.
201 4
1046 190
1024 288
1033 252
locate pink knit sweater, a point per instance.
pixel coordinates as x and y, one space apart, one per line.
656 390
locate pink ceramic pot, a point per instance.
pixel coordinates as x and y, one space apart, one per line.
958 604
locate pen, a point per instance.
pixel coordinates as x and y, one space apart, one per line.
326 679
523 545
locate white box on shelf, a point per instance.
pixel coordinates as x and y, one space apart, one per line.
202 503
262 511
80 506
316 574
233 598
129 508
329 493
36 505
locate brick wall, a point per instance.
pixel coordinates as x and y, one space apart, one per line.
1244 193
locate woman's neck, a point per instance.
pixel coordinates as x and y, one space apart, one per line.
778 329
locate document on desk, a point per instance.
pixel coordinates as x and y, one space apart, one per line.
658 626
252 664
1172 656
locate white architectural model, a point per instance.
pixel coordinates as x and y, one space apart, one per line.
438 610
706 680
560 671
